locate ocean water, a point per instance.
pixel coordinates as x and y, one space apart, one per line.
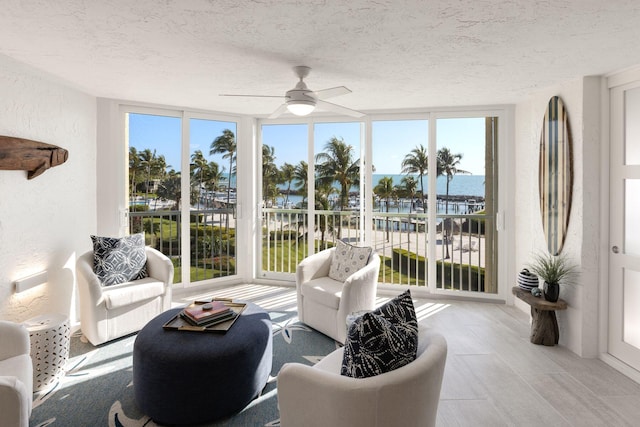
461 185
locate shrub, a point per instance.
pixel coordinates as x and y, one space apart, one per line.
446 272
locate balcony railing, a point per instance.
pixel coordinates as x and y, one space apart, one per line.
401 239
212 240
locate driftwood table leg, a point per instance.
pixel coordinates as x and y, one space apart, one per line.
544 327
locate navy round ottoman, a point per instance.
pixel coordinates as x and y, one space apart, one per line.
182 377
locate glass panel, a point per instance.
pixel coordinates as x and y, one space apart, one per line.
632 127
212 149
400 187
631 291
337 181
154 182
631 223
461 220
284 197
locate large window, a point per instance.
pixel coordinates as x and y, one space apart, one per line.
154 182
432 200
400 151
162 196
284 197
212 164
419 188
337 176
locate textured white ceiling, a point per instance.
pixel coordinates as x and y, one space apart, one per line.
392 54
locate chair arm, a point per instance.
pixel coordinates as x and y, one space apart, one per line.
159 266
87 280
15 402
359 291
314 266
332 395
15 340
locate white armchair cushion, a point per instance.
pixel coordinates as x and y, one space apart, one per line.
130 293
347 259
324 290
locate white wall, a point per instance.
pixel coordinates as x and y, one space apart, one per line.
579 323
45 222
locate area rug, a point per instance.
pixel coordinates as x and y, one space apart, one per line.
97 389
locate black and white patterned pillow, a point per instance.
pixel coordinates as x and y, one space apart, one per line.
382 340
347 259
119 260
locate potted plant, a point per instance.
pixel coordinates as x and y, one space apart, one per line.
553 270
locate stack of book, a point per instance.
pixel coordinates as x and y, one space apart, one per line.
208 314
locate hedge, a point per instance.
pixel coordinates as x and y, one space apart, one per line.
412 264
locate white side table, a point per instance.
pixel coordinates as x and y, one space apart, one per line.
50 335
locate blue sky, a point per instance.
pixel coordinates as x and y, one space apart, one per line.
392 140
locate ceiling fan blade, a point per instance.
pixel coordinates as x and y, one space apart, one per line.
281 109
331 92
339 109
253 96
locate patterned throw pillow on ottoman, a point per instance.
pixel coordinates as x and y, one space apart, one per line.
382 340
119 260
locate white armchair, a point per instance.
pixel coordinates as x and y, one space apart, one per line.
324 303
16 375
408 396
114 311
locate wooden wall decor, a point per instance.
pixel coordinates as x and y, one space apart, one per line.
555 175
32 156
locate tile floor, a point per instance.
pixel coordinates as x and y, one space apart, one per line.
494 376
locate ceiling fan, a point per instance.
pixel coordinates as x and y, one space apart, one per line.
301 100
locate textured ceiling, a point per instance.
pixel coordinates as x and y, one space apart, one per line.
393 54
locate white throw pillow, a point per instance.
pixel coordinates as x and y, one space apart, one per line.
347 259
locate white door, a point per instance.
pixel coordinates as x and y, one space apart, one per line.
624 211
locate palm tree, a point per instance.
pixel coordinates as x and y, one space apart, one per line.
135 166
170 189
409 186
287 175
199 165
448 165
212 177
336 163
225 144
417 161
159 168
302 178
146 162
385 190
269 173
324 224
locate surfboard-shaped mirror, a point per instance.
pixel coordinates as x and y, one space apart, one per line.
556 175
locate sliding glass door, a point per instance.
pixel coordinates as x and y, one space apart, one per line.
429 211
182 190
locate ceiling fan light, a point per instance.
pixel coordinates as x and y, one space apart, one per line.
301 107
